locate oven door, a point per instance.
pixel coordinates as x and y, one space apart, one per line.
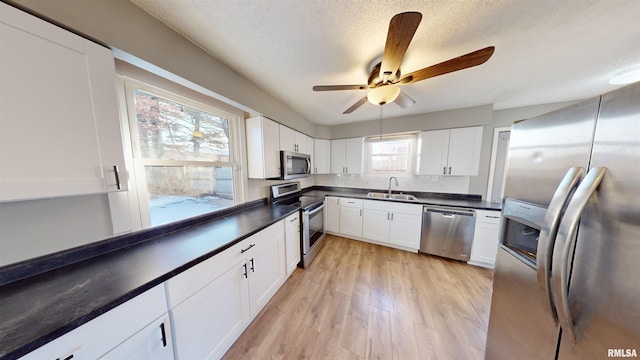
313 228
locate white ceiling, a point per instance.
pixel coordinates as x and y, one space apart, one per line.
546 50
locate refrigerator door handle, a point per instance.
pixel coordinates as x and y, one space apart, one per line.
565 242
548 233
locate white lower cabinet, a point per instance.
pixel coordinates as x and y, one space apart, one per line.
485 239
351 217
213 302
332 214
292 240
207 323
138 329
393 224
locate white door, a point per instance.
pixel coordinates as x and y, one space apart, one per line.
287 138
292 238
266 268
353 155
337 156
322 155
332 214
433 149
465 145
351 221
59 116
270 133
375 225
405 230
497 170
207 323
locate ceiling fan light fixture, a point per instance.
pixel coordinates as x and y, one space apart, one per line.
383 94
630 76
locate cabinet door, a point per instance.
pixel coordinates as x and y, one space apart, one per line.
404 230
465 145
266 267
375 225
353 155
433 150
152 342
207 323
322 153
287 138
292 238
301 143
263 148
332 214
351 221
337 156
59 116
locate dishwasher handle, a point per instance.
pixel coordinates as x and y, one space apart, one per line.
449 213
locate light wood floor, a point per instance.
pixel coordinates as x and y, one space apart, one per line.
363 301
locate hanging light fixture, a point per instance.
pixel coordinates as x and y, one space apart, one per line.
383 94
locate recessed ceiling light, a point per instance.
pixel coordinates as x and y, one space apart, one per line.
627 77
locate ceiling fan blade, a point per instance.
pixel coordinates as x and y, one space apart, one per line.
461 62
356 105
401 30
339 87
404 101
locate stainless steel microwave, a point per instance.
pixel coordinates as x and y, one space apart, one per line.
294 165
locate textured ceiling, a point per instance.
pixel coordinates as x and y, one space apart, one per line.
546 51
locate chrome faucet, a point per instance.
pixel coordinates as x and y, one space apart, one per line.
392 178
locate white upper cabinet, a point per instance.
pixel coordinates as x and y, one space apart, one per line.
346 156
291 140
450 152
263 148
59 123
322 150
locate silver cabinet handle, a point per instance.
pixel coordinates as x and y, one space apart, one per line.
547 238
449 170
444 170
565 245
360 212
294 219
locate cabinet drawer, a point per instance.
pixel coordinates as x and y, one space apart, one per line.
180 287
292 220
485 216
349 202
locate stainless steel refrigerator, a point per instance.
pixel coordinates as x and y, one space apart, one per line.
567 278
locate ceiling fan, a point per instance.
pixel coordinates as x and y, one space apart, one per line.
385 78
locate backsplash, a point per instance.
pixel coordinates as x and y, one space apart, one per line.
441 184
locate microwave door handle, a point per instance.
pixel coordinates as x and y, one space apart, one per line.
547 237
565 245
308 166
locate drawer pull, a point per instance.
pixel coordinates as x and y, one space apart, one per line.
247 249
493 217
67 358
294 219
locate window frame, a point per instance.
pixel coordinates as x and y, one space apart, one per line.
411 153
140 196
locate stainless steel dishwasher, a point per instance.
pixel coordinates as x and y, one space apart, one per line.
447 232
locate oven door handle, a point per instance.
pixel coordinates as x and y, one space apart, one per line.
309 213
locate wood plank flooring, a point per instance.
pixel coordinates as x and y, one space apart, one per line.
364 301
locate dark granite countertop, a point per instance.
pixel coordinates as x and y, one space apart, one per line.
424 198
40 308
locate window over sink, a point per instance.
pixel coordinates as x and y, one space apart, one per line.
390 154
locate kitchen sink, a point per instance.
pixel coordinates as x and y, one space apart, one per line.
385 196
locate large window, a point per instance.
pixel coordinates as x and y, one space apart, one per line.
390 154
183 155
